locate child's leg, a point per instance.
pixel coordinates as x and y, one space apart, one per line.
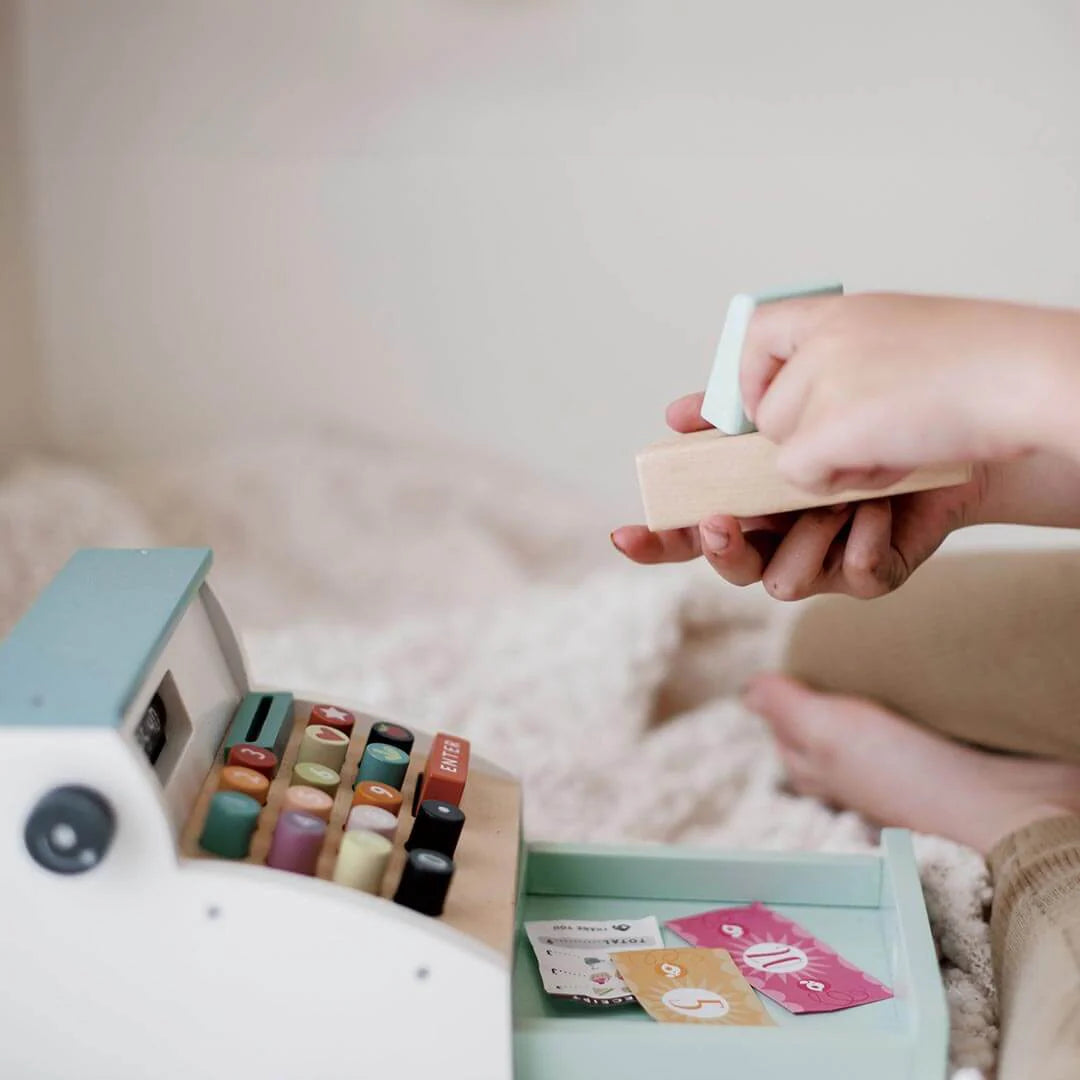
983 647
1036 943
855 754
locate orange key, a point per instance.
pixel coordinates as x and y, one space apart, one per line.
446 770
372 793
246 781
307 800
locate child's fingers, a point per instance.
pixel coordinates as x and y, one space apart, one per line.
684 414
636 542
729 552
872 566
775 332
827 451
798 570
863 479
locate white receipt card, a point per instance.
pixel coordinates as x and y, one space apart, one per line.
574 956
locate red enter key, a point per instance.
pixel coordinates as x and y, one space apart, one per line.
446 771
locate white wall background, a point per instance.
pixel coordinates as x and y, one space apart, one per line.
517 221
20 416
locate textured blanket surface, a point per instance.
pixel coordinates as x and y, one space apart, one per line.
443 589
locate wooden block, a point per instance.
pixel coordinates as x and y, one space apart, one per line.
686 479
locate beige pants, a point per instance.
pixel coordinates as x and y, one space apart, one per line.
986 648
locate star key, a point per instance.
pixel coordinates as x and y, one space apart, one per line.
333 716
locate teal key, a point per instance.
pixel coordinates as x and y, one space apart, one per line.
230 823
264 720
722 405
384 764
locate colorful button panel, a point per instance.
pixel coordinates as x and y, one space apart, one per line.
302 808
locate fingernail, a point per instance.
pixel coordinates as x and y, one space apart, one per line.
716 537
615 543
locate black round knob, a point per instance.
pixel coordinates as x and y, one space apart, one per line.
382 731
437 827
425 880
70 830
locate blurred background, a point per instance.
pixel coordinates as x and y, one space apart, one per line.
516 223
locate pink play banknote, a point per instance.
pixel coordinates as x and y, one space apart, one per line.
781 959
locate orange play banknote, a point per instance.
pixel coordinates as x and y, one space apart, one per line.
691 986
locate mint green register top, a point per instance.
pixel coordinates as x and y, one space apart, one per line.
80 654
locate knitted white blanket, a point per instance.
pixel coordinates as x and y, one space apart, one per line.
448 591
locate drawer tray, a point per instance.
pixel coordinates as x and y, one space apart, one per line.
868 907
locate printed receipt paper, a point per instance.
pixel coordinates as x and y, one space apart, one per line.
575 956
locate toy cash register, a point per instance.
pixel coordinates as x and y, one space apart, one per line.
203 879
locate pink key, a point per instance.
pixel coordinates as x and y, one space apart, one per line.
296 844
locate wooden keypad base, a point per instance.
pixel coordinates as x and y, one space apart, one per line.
481 898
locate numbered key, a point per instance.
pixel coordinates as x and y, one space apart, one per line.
372 819
230 822
383 764
317 776
307 800
324 745
254 757
296 843
247 781
425 881
371 793
362 859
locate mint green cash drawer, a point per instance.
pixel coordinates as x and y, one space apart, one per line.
869 907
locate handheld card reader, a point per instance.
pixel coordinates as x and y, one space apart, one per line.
206 879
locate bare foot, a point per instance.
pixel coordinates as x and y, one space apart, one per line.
858 755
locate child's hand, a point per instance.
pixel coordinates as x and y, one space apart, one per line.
859 390
864 550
